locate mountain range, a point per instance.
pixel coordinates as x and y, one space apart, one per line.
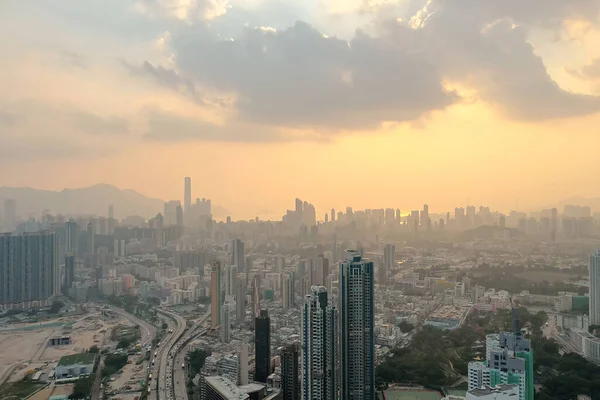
93 200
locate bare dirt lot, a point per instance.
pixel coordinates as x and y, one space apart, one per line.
24 348
87 332
20 348
130 377
44 394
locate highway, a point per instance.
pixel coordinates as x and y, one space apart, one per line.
179 378
163 367
147 330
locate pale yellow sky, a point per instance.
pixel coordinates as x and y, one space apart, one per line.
481 150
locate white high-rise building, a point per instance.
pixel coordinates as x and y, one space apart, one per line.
319 347
595 288
357 326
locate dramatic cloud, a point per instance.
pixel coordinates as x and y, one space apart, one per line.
494 57
269 68
298 77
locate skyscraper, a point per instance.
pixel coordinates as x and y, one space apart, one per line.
111 212
231 272
290 383
243 357
594 272
237 255
10 215
187 196
29 269
357 327
320 372
389 259
215 294
225 324
90 234
287 290
255 297
240 301
262 345
69 273
72 237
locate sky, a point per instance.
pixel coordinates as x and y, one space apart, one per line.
362 103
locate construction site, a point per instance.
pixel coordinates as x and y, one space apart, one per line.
33 350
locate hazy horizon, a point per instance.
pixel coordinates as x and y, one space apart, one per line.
370 104
275 214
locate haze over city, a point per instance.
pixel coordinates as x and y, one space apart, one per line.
299 200
407 102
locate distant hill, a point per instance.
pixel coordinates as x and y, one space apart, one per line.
89 200
488 232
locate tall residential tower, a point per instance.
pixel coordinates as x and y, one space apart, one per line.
595 288
320 366
262 342
357 327
29 269
215 294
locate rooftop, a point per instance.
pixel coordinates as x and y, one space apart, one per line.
511 390
226 388
81 358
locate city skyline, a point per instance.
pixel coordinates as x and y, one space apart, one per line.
478 113
168 207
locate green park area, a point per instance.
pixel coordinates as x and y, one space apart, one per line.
19 390
412 395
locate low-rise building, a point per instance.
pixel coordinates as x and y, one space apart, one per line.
75 365
499 392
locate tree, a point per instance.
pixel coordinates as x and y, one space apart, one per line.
124 343
405 326
196 359
113 363
94 349
56 306
164 325
82 388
